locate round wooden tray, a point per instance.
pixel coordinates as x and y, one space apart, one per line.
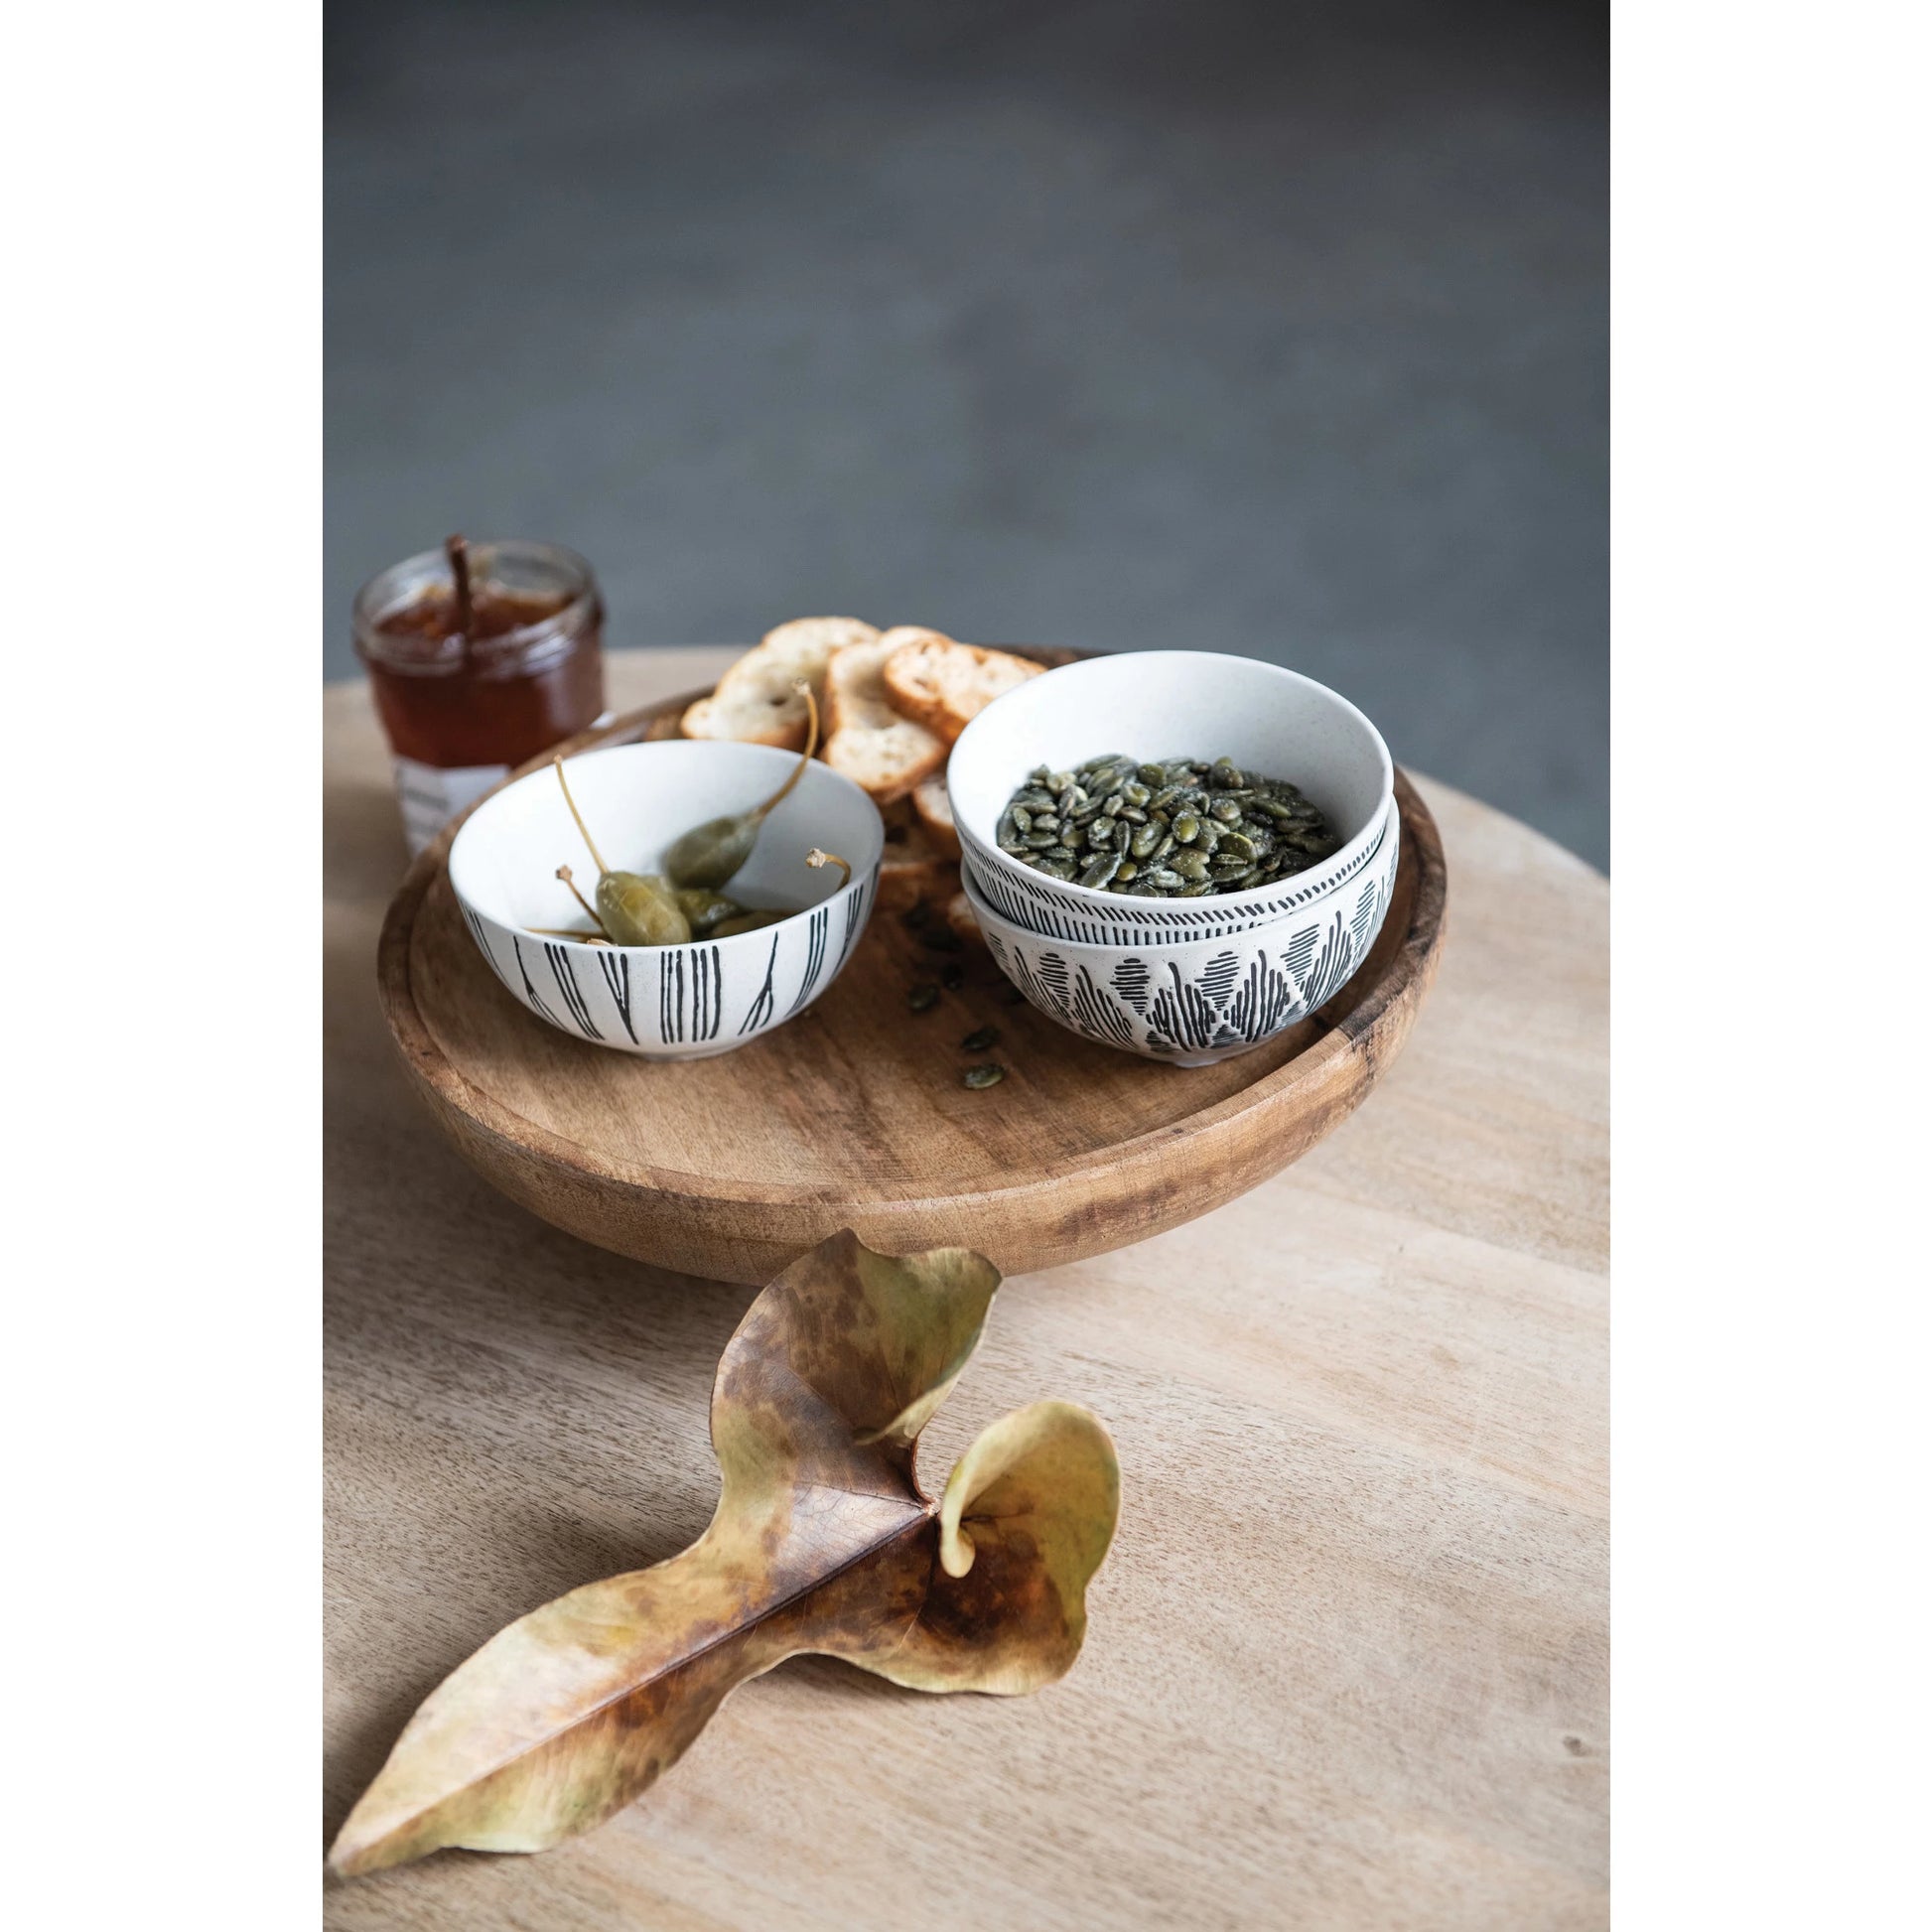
852 1115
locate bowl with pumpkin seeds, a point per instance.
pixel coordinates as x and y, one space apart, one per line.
1158 795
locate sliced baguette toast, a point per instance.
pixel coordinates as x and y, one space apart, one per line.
933 804
912 870
944 685
959 916
865 739
755 702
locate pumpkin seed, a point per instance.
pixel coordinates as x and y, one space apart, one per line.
979 1039
922 997
1175 827
988 1075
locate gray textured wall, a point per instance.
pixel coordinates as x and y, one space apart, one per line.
1267 329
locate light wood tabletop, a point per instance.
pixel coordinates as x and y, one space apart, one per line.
1347 1662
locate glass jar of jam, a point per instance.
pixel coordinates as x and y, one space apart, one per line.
479 657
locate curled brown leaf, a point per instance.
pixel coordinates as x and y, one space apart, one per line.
822 1541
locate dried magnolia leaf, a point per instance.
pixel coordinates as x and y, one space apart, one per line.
822 1541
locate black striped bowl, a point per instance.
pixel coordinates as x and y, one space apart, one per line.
668 1002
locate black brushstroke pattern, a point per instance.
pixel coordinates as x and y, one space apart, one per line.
1333 964
1098 1013
565 975
670 996
530 993
482 942
820 925
855 915
616 976
707 993
762 1007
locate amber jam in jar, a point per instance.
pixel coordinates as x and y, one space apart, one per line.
462 705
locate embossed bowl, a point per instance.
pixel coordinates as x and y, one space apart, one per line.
668 1002
1195 1001
1157 704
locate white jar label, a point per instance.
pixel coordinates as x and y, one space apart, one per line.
431 795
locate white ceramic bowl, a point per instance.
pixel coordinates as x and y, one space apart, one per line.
668 1002
1192 1002
1157 704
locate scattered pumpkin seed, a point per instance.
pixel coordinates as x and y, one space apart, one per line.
990 1074
979 1039
922 999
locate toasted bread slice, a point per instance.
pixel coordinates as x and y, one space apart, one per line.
912 870
755 702
944 685
865 739
959 916
933 804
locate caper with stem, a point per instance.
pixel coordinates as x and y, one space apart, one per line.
710 854
633 908
817 859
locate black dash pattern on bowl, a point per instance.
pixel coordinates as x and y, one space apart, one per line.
1145 922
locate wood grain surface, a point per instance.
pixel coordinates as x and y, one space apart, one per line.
1347 1663
852 1115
